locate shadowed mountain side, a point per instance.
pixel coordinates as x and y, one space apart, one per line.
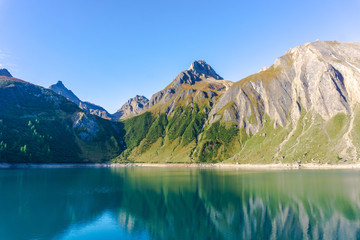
38 125
88 107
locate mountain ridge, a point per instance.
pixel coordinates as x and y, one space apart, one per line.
305 108
38 125
91 108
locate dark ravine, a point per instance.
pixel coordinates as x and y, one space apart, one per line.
302 109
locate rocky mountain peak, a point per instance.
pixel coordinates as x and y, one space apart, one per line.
59 84
5 73
136 102
131 108
60 88
198 71
139 98
201 68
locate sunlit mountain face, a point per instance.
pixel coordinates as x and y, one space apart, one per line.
151 203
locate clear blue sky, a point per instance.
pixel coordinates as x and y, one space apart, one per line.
108 51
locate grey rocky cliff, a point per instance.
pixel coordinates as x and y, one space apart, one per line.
88 107
132 107
201 68
319 77
94 110
86 126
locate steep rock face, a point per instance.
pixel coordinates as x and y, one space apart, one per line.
201 68
94 110
91 108
321 79
88 125
320 76
38 125
132 107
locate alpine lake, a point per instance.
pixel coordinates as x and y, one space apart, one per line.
178 203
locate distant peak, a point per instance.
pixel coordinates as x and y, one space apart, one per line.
60 88
4 72
59 83
199 65
140 97
201 68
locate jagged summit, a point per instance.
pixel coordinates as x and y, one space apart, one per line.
59 83
198 71
201 68
139 98
5 73
131 108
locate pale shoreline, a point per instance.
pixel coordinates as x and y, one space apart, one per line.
186 165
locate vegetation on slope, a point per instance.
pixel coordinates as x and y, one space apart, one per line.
37 125
149 131
218 142
185 136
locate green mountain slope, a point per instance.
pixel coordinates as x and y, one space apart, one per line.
37 125
304 108
170 129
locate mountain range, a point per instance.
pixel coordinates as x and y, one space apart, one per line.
303 108
132 107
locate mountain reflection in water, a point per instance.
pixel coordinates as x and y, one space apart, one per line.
176 203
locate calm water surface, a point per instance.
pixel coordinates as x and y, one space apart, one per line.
171 203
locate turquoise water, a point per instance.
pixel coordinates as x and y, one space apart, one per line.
171 203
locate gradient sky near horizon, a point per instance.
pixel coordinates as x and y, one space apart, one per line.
109 51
